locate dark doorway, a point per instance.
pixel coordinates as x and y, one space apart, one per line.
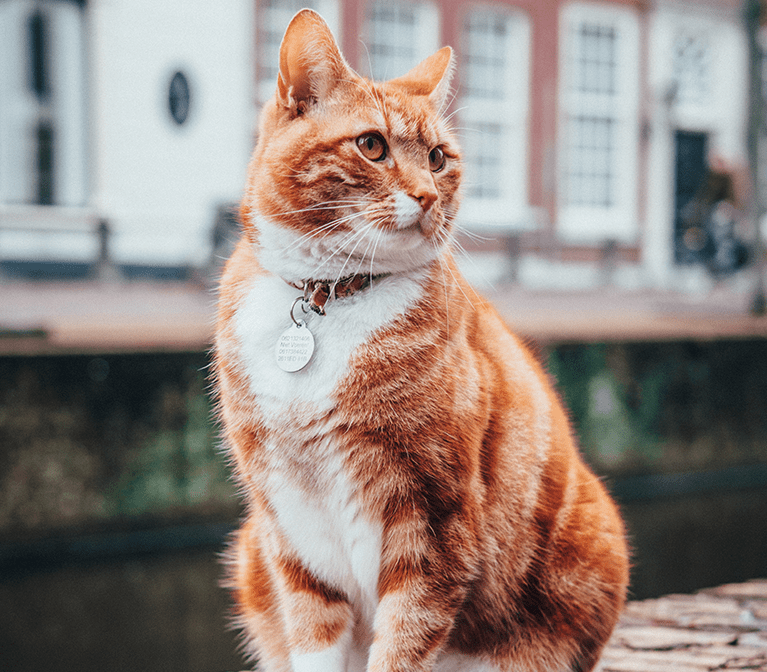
691 168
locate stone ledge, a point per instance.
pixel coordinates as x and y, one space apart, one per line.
722 628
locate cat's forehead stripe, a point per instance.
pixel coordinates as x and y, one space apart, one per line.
408 128
403 119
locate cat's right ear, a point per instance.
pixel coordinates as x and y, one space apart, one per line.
310 63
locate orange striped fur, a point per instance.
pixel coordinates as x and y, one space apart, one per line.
415 498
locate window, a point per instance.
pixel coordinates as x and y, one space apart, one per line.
483 157
598 122
494 103
591 173
38 56
38 59
274 17
399 35
44 187
691 66
42 104
179 98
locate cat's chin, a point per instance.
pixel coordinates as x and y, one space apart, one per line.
296 268
287 254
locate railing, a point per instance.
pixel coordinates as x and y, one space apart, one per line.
48 220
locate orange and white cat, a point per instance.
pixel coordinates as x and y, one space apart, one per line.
415 500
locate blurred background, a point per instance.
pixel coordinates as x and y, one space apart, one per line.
613 205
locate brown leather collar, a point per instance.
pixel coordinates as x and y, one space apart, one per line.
318 292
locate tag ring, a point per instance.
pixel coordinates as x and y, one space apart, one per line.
298 323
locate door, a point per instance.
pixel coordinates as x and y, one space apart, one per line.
690 237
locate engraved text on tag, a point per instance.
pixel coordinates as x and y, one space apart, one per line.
294 347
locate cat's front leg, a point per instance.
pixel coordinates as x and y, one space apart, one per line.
318 619
420 593
412 625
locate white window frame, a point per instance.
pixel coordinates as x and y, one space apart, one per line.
271 21
420 46
64 108
508 208
592 223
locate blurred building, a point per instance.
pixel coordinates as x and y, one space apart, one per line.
588 127
134 113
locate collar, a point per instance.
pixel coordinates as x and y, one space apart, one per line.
318 292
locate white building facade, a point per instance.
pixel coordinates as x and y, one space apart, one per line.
697 84
136 113
587 125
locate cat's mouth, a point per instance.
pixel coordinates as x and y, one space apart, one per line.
424 226
410 216
415 227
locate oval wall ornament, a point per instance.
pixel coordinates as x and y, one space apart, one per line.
178 98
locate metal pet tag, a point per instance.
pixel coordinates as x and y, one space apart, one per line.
295 347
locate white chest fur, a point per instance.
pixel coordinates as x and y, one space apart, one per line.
265 314
324 522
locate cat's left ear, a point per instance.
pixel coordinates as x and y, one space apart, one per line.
431 77
310 62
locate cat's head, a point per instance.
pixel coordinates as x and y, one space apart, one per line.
351 176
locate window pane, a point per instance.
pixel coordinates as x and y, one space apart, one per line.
392 39
484 83
590 178
595 52
485 48
38 56
482 159
589 175
44 164
691 66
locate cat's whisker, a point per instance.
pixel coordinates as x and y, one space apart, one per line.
465 295
368 88
328 226
325 205
447 102
348 257
442 264
454 90
448 240
473 235
462 131
367 54
364 255
377 239
453 114
348 239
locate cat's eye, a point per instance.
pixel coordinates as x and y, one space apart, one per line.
436 159
372 146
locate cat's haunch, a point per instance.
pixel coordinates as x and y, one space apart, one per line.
415 498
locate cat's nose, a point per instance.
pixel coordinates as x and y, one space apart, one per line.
425 194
